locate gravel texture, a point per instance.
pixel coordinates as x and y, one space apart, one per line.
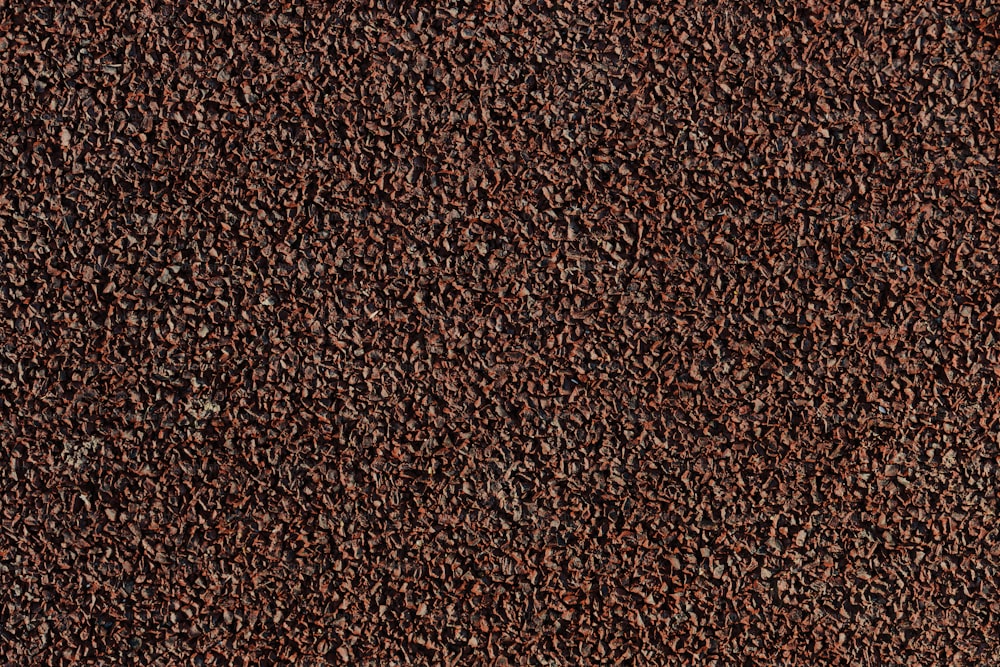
500 333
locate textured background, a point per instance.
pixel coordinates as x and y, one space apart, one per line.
499 333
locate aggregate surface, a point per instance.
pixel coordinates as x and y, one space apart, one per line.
499 332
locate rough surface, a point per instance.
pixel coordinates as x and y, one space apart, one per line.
499 333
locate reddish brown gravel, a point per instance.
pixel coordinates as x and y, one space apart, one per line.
499 333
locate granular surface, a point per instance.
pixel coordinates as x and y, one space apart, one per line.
499 333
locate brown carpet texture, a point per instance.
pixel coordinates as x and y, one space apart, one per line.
499 333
